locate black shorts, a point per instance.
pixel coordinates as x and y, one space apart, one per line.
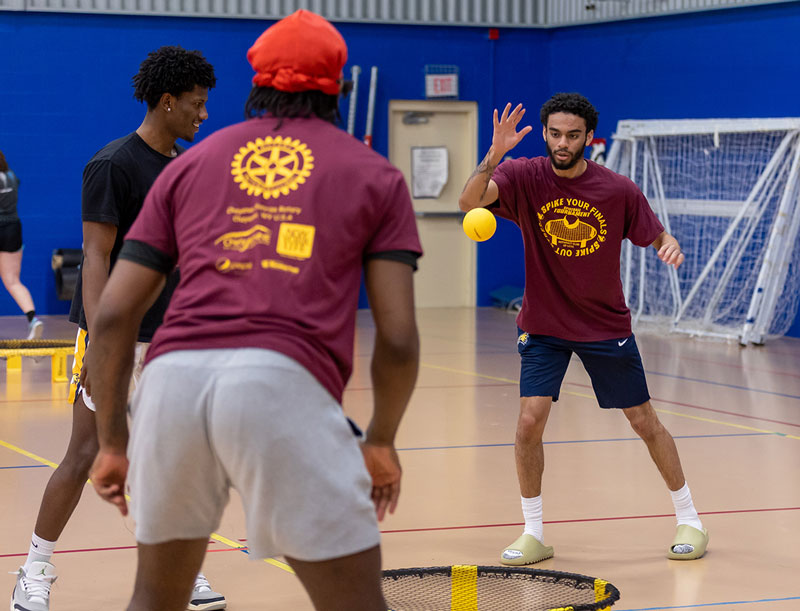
10 236
614 366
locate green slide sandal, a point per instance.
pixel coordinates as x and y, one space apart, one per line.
525 550
688 544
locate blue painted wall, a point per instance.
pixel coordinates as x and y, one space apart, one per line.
65 91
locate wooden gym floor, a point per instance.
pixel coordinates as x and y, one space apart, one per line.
734 412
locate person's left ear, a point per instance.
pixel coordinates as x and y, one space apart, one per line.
166 102
345 87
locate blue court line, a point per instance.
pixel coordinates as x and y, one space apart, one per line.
733 602
503 445
734 386
25 467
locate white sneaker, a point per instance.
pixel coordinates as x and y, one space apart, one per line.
204 598
35 328
32 592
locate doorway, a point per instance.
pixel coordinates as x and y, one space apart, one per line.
434 143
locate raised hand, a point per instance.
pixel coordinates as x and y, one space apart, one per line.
506 136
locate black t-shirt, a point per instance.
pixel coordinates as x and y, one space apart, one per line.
115 183
9 184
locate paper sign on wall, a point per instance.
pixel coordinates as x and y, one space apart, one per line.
429 171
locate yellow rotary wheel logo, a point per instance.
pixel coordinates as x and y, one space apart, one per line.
271 167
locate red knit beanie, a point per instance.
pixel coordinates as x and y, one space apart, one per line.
298 53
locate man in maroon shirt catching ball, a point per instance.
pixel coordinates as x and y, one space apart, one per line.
574 214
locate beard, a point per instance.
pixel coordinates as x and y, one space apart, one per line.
569 163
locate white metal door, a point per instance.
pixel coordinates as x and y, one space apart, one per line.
446 276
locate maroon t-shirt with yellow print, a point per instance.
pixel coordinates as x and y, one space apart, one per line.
270 225
572 229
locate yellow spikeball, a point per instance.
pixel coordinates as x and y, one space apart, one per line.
479 224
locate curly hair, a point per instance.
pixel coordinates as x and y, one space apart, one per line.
285 105
572 103
172 70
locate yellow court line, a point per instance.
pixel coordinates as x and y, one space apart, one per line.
577 394
469 373
215 536
495 378
14 448
279 564
731 424
236 545
585 396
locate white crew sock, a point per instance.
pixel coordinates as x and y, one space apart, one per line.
532 512
41 550
684 507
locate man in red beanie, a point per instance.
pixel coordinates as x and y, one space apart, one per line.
272 222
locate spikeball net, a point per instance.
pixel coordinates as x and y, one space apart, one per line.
494 588
12 350
23 346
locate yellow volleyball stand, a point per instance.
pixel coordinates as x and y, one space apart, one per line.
14 349
494 588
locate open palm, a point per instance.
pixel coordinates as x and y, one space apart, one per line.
506 136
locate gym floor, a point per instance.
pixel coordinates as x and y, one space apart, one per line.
734 413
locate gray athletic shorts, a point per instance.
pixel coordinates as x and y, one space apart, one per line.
255 420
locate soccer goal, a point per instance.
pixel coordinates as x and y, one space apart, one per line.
729 191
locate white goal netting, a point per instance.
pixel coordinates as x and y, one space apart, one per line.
729 191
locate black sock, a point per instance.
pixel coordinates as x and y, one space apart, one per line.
31 315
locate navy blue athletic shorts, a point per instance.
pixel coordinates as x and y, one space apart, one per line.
614 365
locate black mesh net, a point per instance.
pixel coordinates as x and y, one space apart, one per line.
489 588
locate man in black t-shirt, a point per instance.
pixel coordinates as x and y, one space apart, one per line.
115 183
174 83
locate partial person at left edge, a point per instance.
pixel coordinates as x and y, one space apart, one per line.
11 248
